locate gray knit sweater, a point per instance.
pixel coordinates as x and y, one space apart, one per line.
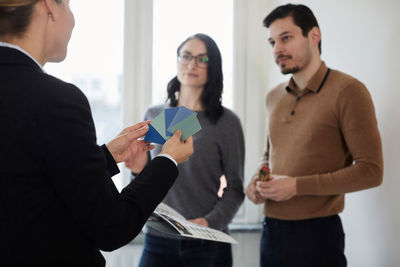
218 150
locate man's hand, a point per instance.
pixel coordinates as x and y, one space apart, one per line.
252 193
200 221
280 188
126 145
180 151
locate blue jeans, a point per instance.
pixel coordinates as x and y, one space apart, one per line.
165 252
314 242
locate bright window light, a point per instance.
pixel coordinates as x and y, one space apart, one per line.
174 21
94 64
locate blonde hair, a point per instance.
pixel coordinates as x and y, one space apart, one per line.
15 17
16 3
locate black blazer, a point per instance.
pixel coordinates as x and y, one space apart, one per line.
58 204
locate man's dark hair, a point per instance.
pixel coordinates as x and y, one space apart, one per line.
301 14
212 93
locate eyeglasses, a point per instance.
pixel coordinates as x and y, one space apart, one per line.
201 61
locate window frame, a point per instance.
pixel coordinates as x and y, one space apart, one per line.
250 57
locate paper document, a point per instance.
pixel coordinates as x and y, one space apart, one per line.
168 221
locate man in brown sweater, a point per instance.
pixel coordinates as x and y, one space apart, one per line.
322 142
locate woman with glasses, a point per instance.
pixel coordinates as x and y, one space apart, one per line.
219 149
58 204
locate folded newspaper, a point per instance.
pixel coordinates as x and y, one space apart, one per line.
170 223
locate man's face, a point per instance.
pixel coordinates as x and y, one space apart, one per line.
292 51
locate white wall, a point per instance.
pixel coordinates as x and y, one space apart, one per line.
362 38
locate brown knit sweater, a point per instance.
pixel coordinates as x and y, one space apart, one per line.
325 137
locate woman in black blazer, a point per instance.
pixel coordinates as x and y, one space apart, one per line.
58 204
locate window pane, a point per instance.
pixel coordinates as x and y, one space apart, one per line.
94 63
174 21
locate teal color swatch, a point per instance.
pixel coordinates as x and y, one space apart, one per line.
171 119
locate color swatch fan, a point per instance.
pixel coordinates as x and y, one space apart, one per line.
168 121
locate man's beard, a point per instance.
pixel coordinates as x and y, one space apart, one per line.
292 70
287 71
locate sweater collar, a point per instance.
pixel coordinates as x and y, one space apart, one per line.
314 85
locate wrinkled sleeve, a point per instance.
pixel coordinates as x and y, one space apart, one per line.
232 148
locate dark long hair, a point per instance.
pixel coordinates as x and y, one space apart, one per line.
301 14
211 96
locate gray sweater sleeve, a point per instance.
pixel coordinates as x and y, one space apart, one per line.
232 159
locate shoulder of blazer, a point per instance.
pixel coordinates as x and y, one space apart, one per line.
48 94
29 75
13 57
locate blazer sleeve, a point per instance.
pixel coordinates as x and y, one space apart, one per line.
80 173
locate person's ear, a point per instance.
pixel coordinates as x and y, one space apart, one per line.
315 35
51 8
